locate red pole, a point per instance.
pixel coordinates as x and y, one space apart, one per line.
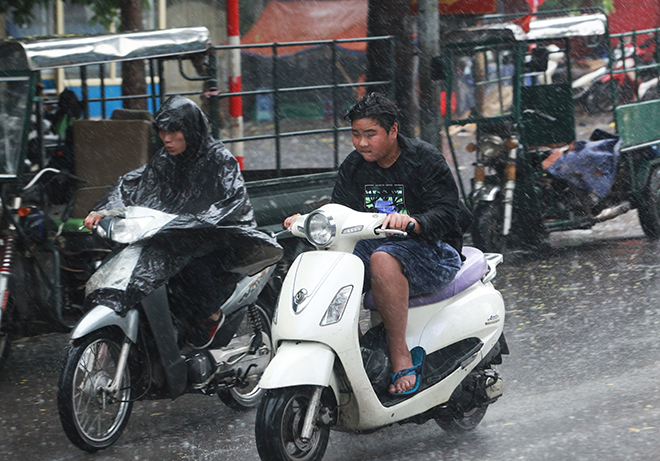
235 102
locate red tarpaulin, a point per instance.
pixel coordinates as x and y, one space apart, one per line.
308 21
638 15
533 8
467 6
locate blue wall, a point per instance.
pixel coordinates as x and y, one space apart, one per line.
111 91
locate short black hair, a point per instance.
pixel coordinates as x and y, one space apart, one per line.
376 106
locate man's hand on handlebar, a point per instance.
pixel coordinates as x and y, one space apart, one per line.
288 222
400 222
92 220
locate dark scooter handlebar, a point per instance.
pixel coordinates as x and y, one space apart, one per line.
541 115
104 228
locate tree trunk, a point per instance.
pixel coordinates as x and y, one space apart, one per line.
392 17
132 72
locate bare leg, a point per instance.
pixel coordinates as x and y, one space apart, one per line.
216 316
390 289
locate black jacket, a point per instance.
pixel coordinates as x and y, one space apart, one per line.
430 194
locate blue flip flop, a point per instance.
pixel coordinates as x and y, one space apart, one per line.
418 356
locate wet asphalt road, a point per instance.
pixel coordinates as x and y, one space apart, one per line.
581 381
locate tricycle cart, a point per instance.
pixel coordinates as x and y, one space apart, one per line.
531 176
46 256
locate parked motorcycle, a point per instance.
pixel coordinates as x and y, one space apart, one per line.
116 360
629 85
317 379
41 272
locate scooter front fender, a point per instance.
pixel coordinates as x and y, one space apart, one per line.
299 363
101 317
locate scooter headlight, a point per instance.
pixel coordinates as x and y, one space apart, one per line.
337 306
320 229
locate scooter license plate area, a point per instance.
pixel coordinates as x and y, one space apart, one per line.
495 390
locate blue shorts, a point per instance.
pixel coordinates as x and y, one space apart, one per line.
428 266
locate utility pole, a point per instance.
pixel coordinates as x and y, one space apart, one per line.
429 94
235 84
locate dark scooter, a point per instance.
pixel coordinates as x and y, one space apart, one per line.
114 361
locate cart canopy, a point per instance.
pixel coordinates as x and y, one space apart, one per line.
585 25
47 53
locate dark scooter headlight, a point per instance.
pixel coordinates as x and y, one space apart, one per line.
490 146
320 229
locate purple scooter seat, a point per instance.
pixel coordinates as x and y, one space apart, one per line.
473 268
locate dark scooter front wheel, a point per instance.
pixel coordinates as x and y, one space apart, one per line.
278 425
649 208
93 418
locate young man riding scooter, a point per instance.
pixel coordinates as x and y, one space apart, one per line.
410 181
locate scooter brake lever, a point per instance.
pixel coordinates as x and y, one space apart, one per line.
379 230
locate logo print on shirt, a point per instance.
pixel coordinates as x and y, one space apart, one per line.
385 198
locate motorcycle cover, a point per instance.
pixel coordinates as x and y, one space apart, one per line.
590 165
203 186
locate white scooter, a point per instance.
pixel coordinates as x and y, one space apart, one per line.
317 379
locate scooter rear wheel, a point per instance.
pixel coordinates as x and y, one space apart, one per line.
4 348
5 330
279 421
92 418
459 423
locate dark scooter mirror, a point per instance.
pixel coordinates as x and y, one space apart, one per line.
104 227
437 69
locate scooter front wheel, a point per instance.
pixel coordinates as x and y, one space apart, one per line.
93 417
279 422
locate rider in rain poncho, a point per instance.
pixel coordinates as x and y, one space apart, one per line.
214 233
